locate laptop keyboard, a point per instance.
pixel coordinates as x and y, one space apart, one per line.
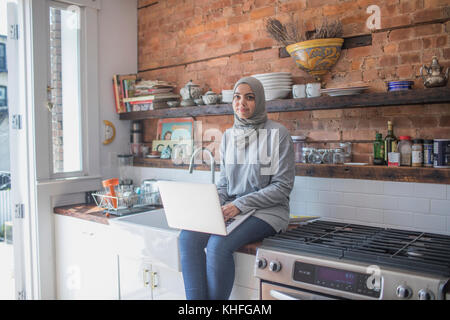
227 223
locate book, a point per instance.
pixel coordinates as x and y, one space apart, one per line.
162 96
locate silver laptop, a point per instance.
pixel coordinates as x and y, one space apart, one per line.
196 207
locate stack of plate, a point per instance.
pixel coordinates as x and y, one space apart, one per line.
400 85
277 85
334 92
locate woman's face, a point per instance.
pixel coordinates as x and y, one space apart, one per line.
244 101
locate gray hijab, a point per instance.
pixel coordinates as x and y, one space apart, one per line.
247 127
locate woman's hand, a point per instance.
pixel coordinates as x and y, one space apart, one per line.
229 211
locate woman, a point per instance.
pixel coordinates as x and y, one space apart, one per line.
262 186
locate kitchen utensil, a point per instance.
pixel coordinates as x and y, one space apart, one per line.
125 168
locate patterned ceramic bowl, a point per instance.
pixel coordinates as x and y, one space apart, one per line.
316 56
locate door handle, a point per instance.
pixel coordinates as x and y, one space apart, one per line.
281 295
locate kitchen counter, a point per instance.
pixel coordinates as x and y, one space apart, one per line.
93 213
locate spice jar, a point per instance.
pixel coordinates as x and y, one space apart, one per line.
298 147
314 157
428 153
405 150
417 153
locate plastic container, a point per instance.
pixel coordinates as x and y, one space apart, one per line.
417 153
405 150
299 142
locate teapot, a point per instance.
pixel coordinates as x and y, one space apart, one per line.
211 97
190 92
434 76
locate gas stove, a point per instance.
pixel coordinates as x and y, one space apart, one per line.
332 260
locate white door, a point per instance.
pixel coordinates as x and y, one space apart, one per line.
21 154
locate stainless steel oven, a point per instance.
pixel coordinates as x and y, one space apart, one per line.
329 260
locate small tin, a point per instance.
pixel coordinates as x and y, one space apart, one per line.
441 153
427 153
393 159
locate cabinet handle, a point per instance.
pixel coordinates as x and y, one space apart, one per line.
154 280
145 277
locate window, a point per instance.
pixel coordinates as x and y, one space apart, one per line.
65 88
3 97
3 57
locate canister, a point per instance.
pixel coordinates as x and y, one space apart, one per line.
428 153
441 153
298 147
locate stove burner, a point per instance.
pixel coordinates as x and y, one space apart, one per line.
410 250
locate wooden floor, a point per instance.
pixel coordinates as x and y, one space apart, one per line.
6 271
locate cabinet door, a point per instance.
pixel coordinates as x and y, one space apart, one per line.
135 279
86 268
167 284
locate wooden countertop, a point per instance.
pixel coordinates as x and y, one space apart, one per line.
93 213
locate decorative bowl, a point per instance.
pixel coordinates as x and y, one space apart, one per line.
316 56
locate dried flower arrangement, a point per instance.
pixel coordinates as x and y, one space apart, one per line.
286 34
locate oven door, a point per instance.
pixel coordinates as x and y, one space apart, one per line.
270 291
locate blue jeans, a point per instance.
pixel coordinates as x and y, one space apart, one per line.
210 275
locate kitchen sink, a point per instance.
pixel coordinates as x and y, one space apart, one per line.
147 235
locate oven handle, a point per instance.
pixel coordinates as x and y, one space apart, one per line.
280 295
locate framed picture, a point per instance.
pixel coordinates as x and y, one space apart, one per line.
3 96
176 129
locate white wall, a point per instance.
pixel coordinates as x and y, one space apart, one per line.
404 205
117 55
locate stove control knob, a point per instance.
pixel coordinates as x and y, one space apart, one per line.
425 294
404 292
275 266
261 263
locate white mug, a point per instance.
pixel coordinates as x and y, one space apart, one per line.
299 91
313 90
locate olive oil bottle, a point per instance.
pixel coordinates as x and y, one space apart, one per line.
390 142
378 150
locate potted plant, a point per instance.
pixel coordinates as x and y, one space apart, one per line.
314 52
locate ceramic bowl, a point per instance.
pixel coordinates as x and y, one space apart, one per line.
316 56
173 104
199 102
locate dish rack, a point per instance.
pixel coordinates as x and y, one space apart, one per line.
126 202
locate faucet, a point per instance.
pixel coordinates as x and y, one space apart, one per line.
212 161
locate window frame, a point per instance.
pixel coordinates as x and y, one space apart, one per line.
5 104
3 62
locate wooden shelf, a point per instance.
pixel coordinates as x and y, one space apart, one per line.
368 172
377 99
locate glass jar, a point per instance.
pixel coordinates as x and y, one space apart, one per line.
347 148
405 150
338 156
417 153
305 154
298 147
327 156
314 157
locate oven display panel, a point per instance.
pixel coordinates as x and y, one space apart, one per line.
334 278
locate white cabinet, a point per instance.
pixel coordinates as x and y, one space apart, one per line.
140 279
86 266
246 285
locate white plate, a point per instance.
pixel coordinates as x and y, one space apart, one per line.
277 82
356 164
152 156
344 91
262 75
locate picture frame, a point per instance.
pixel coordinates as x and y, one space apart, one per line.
175 129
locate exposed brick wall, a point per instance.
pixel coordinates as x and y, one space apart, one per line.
216 42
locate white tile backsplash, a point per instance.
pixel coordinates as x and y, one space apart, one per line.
414 206
440 207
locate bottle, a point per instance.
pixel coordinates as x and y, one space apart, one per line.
417 153
378 150
390 142
428 153
405 149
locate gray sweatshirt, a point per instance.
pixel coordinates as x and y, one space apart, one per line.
262 185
